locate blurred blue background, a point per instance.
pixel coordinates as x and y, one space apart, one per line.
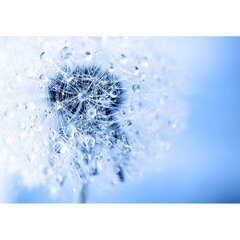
203 165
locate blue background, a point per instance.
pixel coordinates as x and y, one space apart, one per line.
203 165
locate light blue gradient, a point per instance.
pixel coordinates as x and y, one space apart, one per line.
204 163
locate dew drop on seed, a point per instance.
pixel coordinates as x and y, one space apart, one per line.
144 62
18 78
136 70
44 57
136 88
129 123
111 68
58 106
124 59
92 112
66 53
43 78
22 137
109 143
88 56
99 166
63 148
112 132
113 93
81 97
89 142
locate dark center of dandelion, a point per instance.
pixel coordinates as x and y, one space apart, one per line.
89 98
87 88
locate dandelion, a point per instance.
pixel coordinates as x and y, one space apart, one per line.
82 110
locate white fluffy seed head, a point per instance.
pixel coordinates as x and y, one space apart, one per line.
86 109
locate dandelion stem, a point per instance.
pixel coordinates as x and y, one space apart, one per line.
82 198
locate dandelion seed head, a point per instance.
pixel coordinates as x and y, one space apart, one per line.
86 110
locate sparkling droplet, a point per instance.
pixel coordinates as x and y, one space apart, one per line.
18 78
92 112
136 70
58 106
111 68
113 93
144 62
81 97
124 59
43 78
30 106
63 148
44 57
99 166
172 124
22 137
60 179
129 123
136 88
123 113
89 142
88 56
66 53
109 143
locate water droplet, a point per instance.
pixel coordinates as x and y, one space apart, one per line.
92 112
89 142
120 173
60 179
112 132
136 88
124 59
136 70
99 166
30 106
113 93
172 124
81 97
144 62
43 78
18 78
88 56
71 131
129 123
22 136
66 53
63 148
109 143
44 57
111 68
58 106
